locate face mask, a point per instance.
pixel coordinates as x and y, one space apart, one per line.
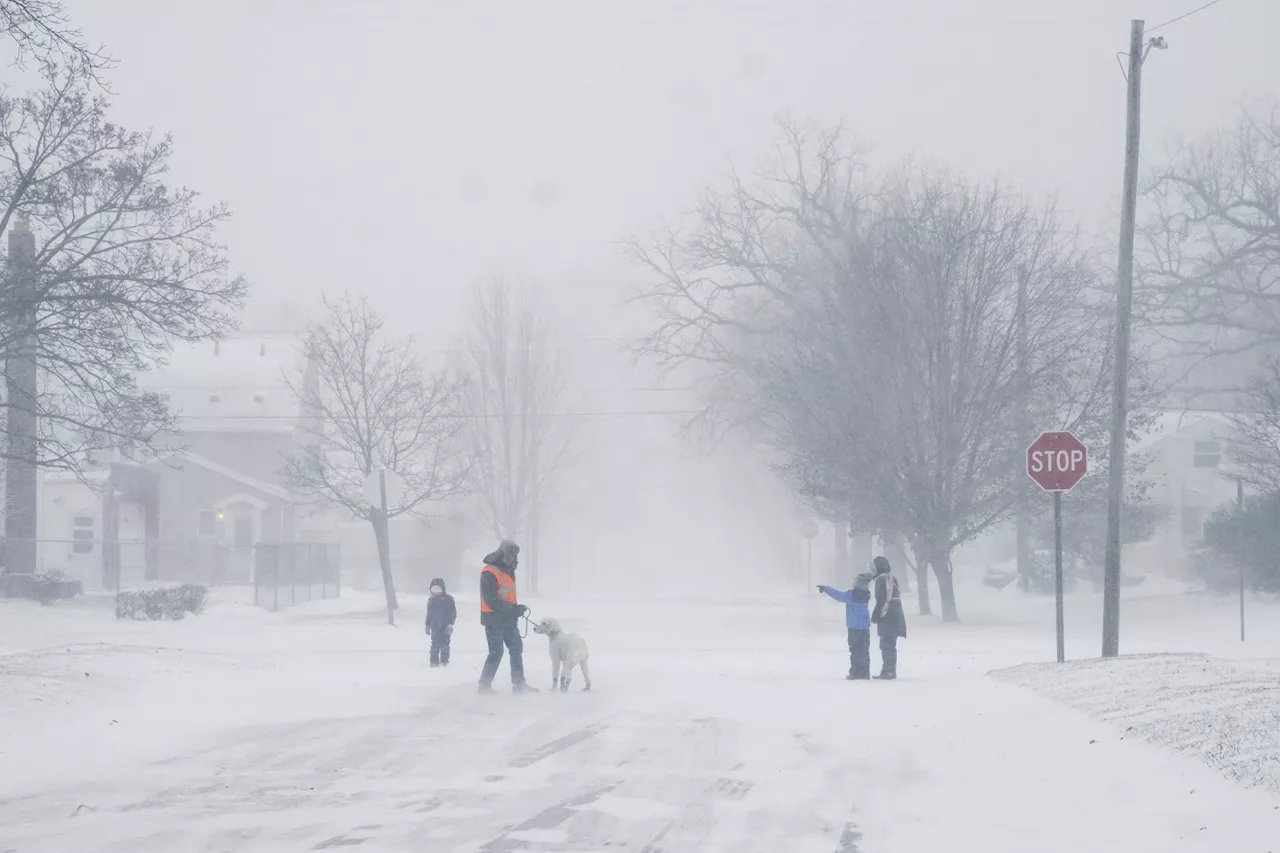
435 590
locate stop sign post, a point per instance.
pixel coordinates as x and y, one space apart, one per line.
809 530
1057 461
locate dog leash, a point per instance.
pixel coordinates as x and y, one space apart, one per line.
527 620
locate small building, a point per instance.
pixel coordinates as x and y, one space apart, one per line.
1186 455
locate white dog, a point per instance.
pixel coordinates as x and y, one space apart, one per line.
567 650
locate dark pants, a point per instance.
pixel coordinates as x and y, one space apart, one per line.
859 653
440 647
889 654
498 636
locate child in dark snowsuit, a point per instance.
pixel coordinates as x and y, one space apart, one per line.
441 614
857 619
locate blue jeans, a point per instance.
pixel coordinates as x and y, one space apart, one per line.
498 636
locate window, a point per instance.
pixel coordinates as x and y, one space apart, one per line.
259 397
82 535
1208 454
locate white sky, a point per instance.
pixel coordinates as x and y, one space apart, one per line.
406 148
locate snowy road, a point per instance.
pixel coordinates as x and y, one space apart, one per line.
725 729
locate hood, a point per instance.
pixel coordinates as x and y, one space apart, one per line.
881 566
440 583
499 561
863 581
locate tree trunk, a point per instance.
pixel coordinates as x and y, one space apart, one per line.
946 588
841 529
381 532
899 560
922 587
922 578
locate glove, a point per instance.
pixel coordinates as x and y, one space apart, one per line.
428 630
448 630
821 588
521 610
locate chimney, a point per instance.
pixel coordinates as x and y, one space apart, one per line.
22 245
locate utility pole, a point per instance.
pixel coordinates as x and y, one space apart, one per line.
1124 307
1240 546
1024 439
535 498
22 474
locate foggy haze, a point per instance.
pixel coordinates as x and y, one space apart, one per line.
407 150
707 335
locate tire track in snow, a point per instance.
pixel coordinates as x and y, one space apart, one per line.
558 745
849 839
548 819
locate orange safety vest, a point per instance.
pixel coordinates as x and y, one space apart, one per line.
506 587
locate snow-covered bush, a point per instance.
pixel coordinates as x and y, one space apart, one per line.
155 604
44 587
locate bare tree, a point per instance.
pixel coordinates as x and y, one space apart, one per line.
865 331
518 444
119 266
42 30
374 407
108 267
1209 283
1255 448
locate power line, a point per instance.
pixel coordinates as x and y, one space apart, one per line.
1187 15
295 418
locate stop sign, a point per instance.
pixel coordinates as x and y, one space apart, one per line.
1057 461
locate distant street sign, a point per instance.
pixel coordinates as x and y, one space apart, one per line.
809 530
376 482
1057 461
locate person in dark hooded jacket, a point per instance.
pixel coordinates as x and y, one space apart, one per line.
442 612
888 617
500 613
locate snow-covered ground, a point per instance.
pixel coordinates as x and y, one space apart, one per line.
717 724
1224 712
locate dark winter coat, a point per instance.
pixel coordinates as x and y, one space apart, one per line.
441 609
856 616
890 621
503 613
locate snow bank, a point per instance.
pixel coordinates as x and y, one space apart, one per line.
1224 712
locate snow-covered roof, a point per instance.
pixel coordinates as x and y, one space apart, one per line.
1170 423
237 385
177 460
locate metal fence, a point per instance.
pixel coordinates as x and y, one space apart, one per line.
110 566
289 573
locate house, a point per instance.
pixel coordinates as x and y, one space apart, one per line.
197 509
1187 464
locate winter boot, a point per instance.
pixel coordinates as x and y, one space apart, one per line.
523 688
887 675
435 664
487 688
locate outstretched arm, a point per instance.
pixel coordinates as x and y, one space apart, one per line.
844 596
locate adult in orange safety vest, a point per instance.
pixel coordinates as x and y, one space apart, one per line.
500 612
